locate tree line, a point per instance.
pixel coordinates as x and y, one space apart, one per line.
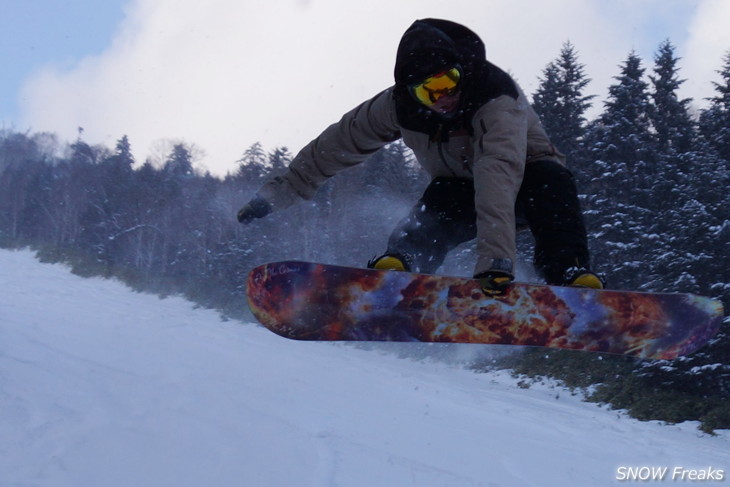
653 177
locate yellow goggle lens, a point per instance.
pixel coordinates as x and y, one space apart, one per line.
434 87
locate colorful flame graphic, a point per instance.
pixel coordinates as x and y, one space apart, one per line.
308 301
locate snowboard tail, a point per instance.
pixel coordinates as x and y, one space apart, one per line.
308 301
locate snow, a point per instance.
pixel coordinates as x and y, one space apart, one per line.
101 386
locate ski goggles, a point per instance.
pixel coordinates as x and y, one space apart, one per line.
434 87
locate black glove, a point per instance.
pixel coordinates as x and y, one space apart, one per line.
256 208
494 283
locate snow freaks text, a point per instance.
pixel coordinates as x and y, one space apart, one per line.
675 474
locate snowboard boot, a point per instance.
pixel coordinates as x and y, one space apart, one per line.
582 277
390 262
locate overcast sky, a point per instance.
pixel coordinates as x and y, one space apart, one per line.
223 74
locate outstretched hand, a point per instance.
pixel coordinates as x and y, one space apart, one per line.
258 207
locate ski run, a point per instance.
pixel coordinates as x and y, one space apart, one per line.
104 387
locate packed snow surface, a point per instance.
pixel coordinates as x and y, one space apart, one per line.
102 386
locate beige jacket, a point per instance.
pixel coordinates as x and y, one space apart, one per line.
507 135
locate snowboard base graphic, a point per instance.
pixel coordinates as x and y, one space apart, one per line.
309 301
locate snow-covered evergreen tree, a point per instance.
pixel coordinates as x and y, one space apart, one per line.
622 134
715 121
673 126
614 178
560 101
688 192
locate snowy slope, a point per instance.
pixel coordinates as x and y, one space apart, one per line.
100 386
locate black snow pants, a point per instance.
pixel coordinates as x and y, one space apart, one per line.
445 217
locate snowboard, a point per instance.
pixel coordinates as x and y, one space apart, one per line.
309 301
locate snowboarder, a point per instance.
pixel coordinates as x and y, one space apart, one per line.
492 164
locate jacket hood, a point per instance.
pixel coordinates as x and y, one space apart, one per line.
431 45
427 47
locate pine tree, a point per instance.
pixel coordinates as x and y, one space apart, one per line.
673 126
672 203
560 103
279 159
123 153
179 163
619 151
714 179
546 100
715 121
253 165
622 134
